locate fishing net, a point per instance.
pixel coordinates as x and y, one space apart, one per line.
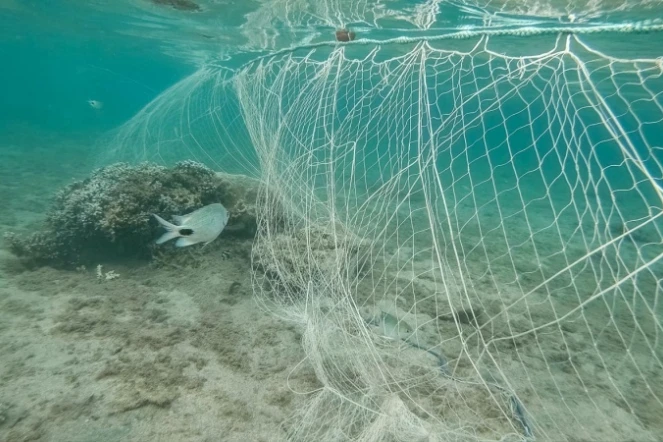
473 240
468 229
197 119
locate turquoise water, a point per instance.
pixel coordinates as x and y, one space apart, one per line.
52 72
64 54
525 193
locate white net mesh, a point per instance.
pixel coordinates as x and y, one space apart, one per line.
198 118
472 242
554 8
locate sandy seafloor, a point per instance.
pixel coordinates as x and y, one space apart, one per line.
169 354
185 354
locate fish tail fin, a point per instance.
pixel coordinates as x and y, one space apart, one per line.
172 231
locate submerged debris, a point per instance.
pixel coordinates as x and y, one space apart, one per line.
344 35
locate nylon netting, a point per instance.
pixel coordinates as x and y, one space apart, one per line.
197 118
469 233
470 241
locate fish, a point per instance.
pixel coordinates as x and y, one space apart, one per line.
397 329
390 326
202 225
95 104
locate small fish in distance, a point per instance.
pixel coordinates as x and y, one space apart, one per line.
202 225
95 104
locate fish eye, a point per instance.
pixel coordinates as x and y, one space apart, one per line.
186 232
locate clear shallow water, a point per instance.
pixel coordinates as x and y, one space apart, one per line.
124 54
52 72
63 53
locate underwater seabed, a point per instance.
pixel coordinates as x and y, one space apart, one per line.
175 348
529 346
131 349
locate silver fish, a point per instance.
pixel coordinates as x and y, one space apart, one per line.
391 327
95 104
394 328
202 225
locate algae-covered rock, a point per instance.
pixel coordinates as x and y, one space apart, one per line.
108 215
